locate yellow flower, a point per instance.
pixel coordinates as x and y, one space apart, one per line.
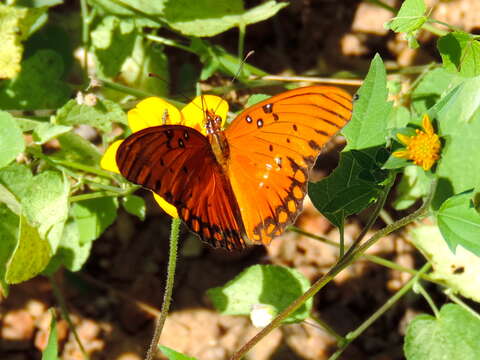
154 111
423 148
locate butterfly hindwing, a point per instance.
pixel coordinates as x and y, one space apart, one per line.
273 146
177 163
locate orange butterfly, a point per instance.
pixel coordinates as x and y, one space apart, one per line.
245 184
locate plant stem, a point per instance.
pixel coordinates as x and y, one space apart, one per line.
169 42
66 316
373 258
458 301
86 168
428 298
85 35
433 29
172 262
95 195
382 5
342 263
340 339
134 92
359 330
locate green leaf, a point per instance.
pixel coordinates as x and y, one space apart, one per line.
93 216
31 254
347 190
146 59
459 270
8 241
211 17
356 182
38 3
153 8
256 98
460 53
51 351
410 17
16 178
367 128
453 335
41 75
432 87
11 138
16 24
45 205
10 200
458 119
262 284
414 185
70 253
45 132
399 117
135 205
76 148
113 40
459 223
100 116
174 355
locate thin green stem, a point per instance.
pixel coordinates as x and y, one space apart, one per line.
385 216
420 289
373 258
134 92
85 168
341 251
169 42
167 298
125 89
459 301
351 336
340 339
382 5
95 195
342 263
434 30
313 236
63 308
85 35
448 26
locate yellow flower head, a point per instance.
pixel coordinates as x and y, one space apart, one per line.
423 148
154 111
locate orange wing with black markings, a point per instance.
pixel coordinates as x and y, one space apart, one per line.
177 163
273 145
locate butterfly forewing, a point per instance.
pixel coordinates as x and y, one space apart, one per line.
177 163
273 146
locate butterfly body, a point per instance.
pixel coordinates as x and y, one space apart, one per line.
245 184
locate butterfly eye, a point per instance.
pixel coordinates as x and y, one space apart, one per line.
218 120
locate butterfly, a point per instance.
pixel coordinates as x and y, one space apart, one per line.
245 184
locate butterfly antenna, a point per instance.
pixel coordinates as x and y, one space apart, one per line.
185 97
239 71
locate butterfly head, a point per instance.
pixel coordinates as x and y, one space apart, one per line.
213 122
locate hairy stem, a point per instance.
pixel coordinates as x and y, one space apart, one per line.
167 298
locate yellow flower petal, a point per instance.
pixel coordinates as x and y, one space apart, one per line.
403 138
166 206
153 111
401 154
194 112
108 161
427 125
